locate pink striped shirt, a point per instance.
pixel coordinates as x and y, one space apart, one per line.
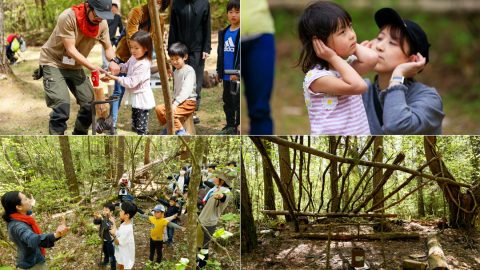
333 115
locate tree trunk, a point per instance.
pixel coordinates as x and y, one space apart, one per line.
249 235
68 166
286 174
4 66
420 200
462 207
378 173
120 158
335 199
196 159
146 157
109 156
268 189
436 258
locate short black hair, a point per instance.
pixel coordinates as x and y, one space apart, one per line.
169 177
233 4
115 4
173 198
143 38
213 166
109 205
10 200
232 162
129 208
178 49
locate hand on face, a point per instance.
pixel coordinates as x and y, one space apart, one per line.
410 69
367 43
322 51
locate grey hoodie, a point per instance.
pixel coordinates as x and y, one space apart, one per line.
410 109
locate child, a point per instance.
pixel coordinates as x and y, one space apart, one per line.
137 81
156 234
104 233
228 58
123 237
395 103
172 210
332 87
184 85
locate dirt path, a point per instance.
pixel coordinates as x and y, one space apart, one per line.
23 110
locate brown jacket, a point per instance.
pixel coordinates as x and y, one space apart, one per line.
138 19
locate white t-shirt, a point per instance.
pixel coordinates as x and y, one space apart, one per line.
180 183
125 250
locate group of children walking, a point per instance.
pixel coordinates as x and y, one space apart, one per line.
184 100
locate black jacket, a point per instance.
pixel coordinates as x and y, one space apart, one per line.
171 210
190 25
105 226
221 46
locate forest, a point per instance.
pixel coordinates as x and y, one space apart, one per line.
333 202
70 178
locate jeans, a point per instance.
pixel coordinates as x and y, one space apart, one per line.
258 61
170 232
118 91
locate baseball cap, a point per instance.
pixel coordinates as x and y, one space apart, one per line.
418 38
103 8
159 208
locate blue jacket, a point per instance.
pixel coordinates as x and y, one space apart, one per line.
410 109
28 243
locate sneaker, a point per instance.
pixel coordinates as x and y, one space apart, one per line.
196 120
181 132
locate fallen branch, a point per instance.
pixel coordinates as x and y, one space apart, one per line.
350 237
329 215
436 258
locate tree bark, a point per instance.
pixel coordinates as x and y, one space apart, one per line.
68 166
268 189
120 158
146 157
4 66
420 200
196 159
463 207
378 173
332 146
249 235
436 258
366 237
286 175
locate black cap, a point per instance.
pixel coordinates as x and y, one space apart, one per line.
103 8
388 16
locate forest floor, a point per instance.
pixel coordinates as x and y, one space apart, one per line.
284 252
81 248
23 110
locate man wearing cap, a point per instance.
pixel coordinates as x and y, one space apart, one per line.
215 202
63 57
395 103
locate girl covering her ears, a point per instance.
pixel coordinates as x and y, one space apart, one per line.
395 103
332 85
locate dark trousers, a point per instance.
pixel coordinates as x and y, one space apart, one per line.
258 60
198 64
156 246
109 254
231 103
140 121
170 232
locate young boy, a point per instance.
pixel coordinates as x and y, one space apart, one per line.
184 85
172 210
104 233
156 234
123 237
228 59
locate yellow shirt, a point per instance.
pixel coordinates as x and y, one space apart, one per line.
159 227
256 18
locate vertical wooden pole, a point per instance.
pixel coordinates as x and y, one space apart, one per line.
161 62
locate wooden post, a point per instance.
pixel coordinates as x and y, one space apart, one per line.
161 62
436 258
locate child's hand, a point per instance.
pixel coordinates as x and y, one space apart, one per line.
233 78
112 219
218 196
410 69
97 215
367 43
105 79
322 51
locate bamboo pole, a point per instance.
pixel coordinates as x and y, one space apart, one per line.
161 62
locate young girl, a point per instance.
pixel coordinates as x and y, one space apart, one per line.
332 86
137 81
395 103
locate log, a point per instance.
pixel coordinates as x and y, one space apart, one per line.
413 265
436 258
366 237
101 110
329 215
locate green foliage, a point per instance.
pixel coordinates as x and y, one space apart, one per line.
6 268
158 266
93 240
213 265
